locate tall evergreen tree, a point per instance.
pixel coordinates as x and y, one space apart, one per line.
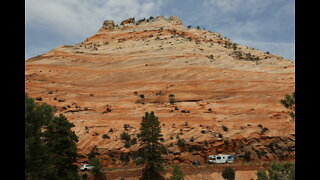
151 149
62 143
37 156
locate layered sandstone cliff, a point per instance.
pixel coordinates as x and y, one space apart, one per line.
115 76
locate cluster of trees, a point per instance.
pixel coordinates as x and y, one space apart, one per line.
50 145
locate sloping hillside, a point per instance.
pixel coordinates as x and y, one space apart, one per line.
115 76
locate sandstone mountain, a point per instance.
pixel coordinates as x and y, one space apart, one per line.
211 95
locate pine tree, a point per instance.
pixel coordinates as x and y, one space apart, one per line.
62 143
37 155
150 138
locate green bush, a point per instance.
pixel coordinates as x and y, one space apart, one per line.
225 128
289 103
125 136
105 136
229 173
192 139
247 156
133 141
285 171
127 144
181 143
177 173
172 99
97 166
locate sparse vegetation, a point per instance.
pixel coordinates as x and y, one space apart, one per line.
289 103
225 128
133 141
285 171
172 99
247 156
105 136
126 127
97 168
264 130
177 173
239 55
192 139
181 142
127 144
125 157
125 136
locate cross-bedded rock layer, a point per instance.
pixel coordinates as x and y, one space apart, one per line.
123 71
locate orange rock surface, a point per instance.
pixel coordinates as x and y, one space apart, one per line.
133 68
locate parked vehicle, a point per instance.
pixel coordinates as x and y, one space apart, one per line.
220 158
86 167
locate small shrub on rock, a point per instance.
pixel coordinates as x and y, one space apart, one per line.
229 173
225 128
105 136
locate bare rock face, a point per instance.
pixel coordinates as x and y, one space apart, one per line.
108 24
215 95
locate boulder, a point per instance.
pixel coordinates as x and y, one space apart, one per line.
108 24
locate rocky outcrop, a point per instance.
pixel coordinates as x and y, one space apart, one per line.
127 21
109 24
175 19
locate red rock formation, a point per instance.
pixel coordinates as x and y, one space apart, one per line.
134 69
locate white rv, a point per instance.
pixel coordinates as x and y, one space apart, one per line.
220 158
